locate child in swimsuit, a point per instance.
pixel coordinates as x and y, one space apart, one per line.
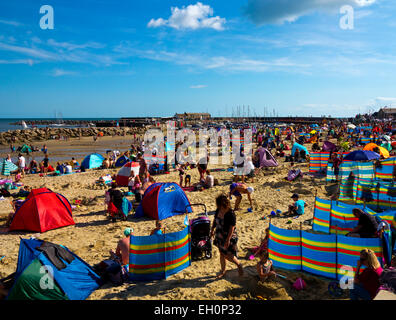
264 267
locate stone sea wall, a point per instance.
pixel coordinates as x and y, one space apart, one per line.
42 134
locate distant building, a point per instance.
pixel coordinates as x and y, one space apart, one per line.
386 113
192 116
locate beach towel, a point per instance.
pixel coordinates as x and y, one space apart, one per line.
189 189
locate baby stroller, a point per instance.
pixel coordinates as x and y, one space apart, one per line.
201 244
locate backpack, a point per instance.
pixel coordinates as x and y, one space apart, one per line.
388 279
5 193
111 271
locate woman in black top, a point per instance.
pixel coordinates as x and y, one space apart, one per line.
225 235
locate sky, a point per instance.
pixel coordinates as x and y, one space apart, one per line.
113 58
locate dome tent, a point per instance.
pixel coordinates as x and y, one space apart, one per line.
267 159
92 161
163 200
42 210
122 161
75 281
125 172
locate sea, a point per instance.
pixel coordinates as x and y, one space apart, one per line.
5 123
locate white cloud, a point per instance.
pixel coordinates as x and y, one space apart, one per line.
281 11
10 23
18 61
194 17
71 46
61 72
385 101
198 86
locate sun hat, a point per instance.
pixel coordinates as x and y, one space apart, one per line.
128 231
250 189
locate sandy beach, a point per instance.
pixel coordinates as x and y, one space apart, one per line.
94 234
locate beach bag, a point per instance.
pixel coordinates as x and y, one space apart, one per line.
293 174
5 193
388 279
299 284
112 271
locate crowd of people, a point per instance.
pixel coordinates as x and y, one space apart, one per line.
224 231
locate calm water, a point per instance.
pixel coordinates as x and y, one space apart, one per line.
5 124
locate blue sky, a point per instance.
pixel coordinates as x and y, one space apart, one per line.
157 57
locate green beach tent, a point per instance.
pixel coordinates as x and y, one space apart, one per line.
26 149
46 276
6 167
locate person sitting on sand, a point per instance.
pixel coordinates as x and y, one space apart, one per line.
106 163
209 181
263 247
237 189
123 248
115 204
366 283
74 163
265 267
187 181
297 208
225 234
18 176
33 167
68 168
367 225
159 228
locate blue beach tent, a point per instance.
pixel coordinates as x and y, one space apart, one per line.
163 200
121 161
300 147
92 161
75 281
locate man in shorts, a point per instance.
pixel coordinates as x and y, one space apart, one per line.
237 190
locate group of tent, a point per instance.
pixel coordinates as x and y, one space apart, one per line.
44 210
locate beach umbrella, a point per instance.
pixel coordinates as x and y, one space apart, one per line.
123 175
370 146
313 132
6 167
383 152
362 155
351 126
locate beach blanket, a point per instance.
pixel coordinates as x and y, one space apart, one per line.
189 189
